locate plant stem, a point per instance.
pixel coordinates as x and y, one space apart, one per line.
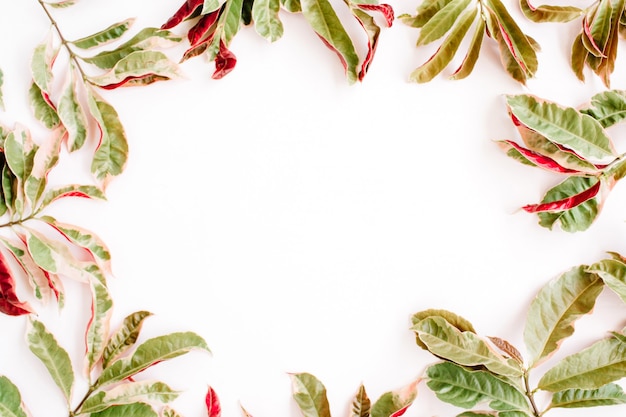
66 44
77 409
530 395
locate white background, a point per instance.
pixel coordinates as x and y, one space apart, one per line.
297 222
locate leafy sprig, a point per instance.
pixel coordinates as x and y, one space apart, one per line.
93 65
595 47
215 24
116 360
453 20
488 376
572 143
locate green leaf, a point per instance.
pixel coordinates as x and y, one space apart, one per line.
43 344
519 44
464 348
446 51
462 388
124 338
149 353
209 6
227 27
452 318
395 403
292 6
324 21
441 22
564 126
127 410
538 143
61 4
147 38
41 63
112 153
578 57
575 219
266 20
19 151
510 64
467 66
45 158
425 11
310 395
104 36
38 280
98 327
10 399
41 108
611 394
613 273
608 107
169 412
83 191
555 310
136 65
84 239
129 393
361 404
72 115
547 13
9 190
599 364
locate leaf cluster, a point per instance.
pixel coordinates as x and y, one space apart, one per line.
96 61
572 143
214 24
595 47
453 20
489 376
116 359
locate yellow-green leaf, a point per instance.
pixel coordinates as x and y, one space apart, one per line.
310 395
104 36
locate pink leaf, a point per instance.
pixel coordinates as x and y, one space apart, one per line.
186 10
225 62
541 160
401 411
566 203
9 303
213 406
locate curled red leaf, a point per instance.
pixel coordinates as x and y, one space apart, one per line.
225 62
202 27
9 303
566 203
186 10
144 79
214 409
541 160
385 9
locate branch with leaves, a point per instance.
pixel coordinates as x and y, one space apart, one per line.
572 143
597 43
115 360
488 376
91 67
454 19
214 26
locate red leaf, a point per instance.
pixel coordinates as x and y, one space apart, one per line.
401 411
202 26
225 61
566 203
542 160
9 303
135 80
385 9
186 10
213 406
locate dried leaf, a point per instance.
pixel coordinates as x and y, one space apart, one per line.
361 404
